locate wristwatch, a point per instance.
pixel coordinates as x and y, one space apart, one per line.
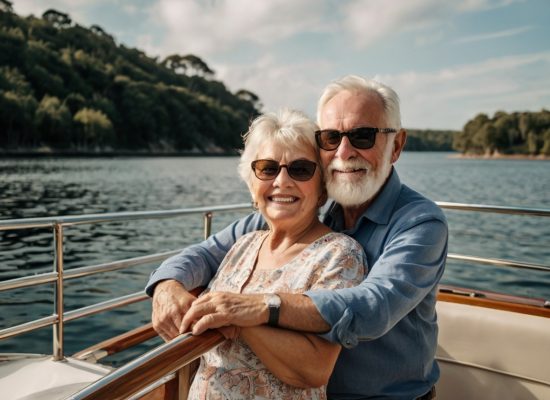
273 303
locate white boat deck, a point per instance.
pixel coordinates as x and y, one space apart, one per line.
30 377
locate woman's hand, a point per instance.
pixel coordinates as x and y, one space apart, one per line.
220 309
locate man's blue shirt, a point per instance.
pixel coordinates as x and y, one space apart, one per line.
387 325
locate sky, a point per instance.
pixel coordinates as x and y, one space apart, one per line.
448 60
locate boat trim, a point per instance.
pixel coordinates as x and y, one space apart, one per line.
494 370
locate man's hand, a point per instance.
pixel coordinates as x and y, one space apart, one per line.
218 309
170 303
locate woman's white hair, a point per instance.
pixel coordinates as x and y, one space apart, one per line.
357 84
290 128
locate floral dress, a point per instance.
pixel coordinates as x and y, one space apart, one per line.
232 370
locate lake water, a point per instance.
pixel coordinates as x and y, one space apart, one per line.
71 186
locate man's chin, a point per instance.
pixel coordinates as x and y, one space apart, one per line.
349 195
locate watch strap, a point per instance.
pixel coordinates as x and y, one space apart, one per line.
273 316
273 302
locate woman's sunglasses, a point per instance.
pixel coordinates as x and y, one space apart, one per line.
299 170
360 138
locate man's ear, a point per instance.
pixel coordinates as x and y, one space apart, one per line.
398 144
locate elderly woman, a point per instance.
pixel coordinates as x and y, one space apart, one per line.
280 165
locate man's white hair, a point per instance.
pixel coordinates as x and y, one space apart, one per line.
357 84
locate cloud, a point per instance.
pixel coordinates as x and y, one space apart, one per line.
493 35
75 8
448 98
296 85
367 21
206 27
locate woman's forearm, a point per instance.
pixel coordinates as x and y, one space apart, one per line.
299 359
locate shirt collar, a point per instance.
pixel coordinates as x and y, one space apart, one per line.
379 211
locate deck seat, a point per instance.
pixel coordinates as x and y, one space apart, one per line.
488 354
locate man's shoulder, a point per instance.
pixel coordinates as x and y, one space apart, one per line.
341 239
414 207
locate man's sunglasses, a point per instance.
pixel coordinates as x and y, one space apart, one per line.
360 138
299 170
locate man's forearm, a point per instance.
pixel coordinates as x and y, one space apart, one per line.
298 312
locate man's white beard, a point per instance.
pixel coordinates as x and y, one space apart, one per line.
354 192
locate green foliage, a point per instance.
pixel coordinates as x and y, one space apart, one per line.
93 128
515 133
57 18
53 120
73 88
6 6
429 140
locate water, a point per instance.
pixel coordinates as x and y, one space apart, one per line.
48 187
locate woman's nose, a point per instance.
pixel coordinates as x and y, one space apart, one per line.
283 178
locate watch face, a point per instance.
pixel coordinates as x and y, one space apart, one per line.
273 300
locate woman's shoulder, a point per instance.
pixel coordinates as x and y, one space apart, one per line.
337 239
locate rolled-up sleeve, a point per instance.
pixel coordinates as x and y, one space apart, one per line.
197 264
409 267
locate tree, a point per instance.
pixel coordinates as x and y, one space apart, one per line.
546 145
53 120
95 128
51 69
99 31
465 142
16 119
197 65
252 98
12 79
6 6
175 63
524 124
56 18
532 143
12 46
506 130
74 102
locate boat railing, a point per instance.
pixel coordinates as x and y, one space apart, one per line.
59 275
132 373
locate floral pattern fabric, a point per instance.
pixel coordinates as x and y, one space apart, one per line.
232 370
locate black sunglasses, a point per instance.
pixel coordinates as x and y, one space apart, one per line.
299 170
360 138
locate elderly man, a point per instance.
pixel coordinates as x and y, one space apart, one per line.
387 325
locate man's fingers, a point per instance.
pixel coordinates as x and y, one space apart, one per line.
170 302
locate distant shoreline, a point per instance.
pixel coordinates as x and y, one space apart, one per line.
74 154
92 154
499 156
124 154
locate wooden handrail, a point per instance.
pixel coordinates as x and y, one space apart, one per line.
495 304
118 343
149 368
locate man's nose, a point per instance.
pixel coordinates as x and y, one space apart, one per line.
346 151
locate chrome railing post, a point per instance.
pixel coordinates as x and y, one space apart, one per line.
58 293
207 224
